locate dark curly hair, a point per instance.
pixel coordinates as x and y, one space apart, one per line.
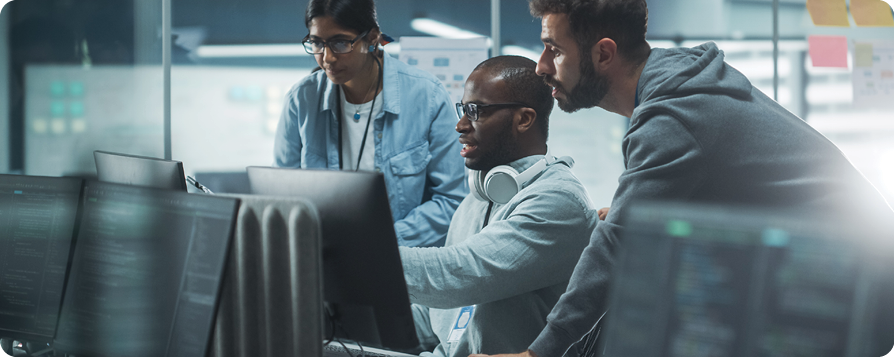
623 21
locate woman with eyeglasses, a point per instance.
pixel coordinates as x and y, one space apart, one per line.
363 110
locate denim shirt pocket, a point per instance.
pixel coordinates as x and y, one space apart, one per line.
408 168
411 161
312 159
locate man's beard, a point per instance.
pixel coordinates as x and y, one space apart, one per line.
589 90
503 153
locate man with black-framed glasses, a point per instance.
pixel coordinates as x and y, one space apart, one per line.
513 242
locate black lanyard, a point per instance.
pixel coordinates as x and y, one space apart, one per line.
490 205
368 120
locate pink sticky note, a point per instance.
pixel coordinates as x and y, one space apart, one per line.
828 51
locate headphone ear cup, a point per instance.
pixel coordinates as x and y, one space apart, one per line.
475 185
500 184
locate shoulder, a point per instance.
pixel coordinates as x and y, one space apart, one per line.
656 128
558 183
313 84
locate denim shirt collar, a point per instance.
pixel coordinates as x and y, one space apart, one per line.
390 87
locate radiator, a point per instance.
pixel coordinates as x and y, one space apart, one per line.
271 298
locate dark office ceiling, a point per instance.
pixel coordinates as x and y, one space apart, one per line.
281 21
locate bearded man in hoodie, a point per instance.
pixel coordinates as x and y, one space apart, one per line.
699 132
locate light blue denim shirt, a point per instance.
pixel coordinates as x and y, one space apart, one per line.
513 270
417 147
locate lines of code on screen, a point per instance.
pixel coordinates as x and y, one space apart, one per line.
37 219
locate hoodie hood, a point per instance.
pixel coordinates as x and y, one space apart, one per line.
679 72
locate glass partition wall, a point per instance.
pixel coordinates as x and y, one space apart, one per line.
88 75
83 76
4 90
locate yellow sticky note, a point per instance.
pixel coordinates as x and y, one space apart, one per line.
862 54
872 13
828 12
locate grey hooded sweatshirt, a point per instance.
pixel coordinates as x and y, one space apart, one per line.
702 133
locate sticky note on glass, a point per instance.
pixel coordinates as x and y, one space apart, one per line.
875 13
828 51
862 54
828 12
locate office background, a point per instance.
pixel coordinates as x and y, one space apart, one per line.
84 75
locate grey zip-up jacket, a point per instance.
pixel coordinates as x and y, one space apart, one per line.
702 133
513 270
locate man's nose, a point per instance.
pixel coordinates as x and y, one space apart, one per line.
464 125
544 64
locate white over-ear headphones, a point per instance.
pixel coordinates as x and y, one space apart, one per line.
502 182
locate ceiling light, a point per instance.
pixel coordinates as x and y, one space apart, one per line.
440 29
228 51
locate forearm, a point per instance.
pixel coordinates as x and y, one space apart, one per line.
427 224
504 260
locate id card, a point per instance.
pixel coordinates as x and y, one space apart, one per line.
462 322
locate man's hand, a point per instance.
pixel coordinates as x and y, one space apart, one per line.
527 353
602 213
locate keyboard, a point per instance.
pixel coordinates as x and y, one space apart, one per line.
335 349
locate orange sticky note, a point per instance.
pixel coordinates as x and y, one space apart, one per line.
828 51
828 12
872 13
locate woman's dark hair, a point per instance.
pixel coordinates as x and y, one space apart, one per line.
358 15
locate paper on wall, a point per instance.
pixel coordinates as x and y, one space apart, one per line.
828 12
873 74
828 51
874 13
451 60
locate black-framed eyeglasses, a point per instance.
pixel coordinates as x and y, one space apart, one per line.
473 109
315 47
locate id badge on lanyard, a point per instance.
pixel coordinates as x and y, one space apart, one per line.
462 322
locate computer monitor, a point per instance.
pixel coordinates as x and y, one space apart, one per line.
139 170
709 280
224 182
146 272
38 217
363 281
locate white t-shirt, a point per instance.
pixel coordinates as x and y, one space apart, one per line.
352 133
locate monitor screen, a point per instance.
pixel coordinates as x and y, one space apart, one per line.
38 216
363 281
224 182
139 171
145 273
706 280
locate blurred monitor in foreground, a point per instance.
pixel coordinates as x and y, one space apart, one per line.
38 217
364 288
146 272
139 170
715 281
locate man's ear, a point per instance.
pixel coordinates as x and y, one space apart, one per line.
604 53
525 119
